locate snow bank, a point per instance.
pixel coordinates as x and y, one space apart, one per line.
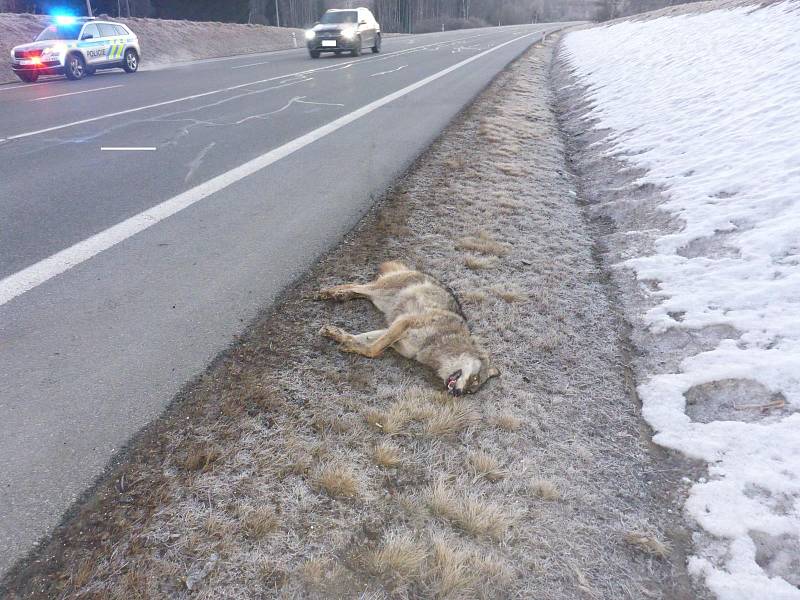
709 105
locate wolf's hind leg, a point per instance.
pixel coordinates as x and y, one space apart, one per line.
372 343
348 291
350 342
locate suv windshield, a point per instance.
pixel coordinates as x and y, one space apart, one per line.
344 16
60 32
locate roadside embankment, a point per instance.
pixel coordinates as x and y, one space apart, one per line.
164 41
292 470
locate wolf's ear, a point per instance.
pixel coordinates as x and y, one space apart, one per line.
492 372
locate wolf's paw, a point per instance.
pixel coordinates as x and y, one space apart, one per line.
333 333
326 294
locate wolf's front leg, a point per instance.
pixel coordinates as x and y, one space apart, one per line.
348 291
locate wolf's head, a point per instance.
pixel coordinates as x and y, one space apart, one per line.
467 374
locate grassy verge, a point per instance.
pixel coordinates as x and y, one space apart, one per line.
292 470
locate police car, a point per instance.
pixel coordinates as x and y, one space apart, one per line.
77 47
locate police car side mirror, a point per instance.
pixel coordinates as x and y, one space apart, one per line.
362 22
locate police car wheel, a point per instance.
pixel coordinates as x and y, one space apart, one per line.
75 68
28 77
377 47
356 51
131 61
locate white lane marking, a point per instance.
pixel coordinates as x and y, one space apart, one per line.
266 62
212 92
127 148
56 264
16 86
108 87
387 72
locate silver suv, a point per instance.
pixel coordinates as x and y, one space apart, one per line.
341 30
77 47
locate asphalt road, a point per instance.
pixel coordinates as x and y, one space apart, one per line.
123 273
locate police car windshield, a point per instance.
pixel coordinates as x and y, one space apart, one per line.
60 32
344 16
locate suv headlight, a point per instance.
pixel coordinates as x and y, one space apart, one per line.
349 33
310 34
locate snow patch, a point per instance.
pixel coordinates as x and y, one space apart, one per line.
708 107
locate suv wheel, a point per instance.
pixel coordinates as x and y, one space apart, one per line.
131 61
356 51
314 53
28 77
75 68
377 47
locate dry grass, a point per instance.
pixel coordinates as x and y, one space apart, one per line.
647 543
82 575
482 244
202 457
322 575
509 295
474 297
449 420
399 558
512 170
467 512
257 521
438 414
336 480
507 422
484 465
478 263
544 489
449 573
387 454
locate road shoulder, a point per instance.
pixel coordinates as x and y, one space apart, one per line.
290 469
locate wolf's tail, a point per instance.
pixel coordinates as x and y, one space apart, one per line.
392 266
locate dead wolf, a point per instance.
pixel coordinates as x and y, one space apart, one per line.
424 322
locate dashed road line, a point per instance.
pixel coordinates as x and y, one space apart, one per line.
128 148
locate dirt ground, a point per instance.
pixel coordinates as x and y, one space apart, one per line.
292 470
163 41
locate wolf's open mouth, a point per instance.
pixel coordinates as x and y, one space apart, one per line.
452 380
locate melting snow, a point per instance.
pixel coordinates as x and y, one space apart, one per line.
709 104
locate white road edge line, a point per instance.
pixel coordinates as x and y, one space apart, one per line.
56 264
127 149
266 62
212 92
108 87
